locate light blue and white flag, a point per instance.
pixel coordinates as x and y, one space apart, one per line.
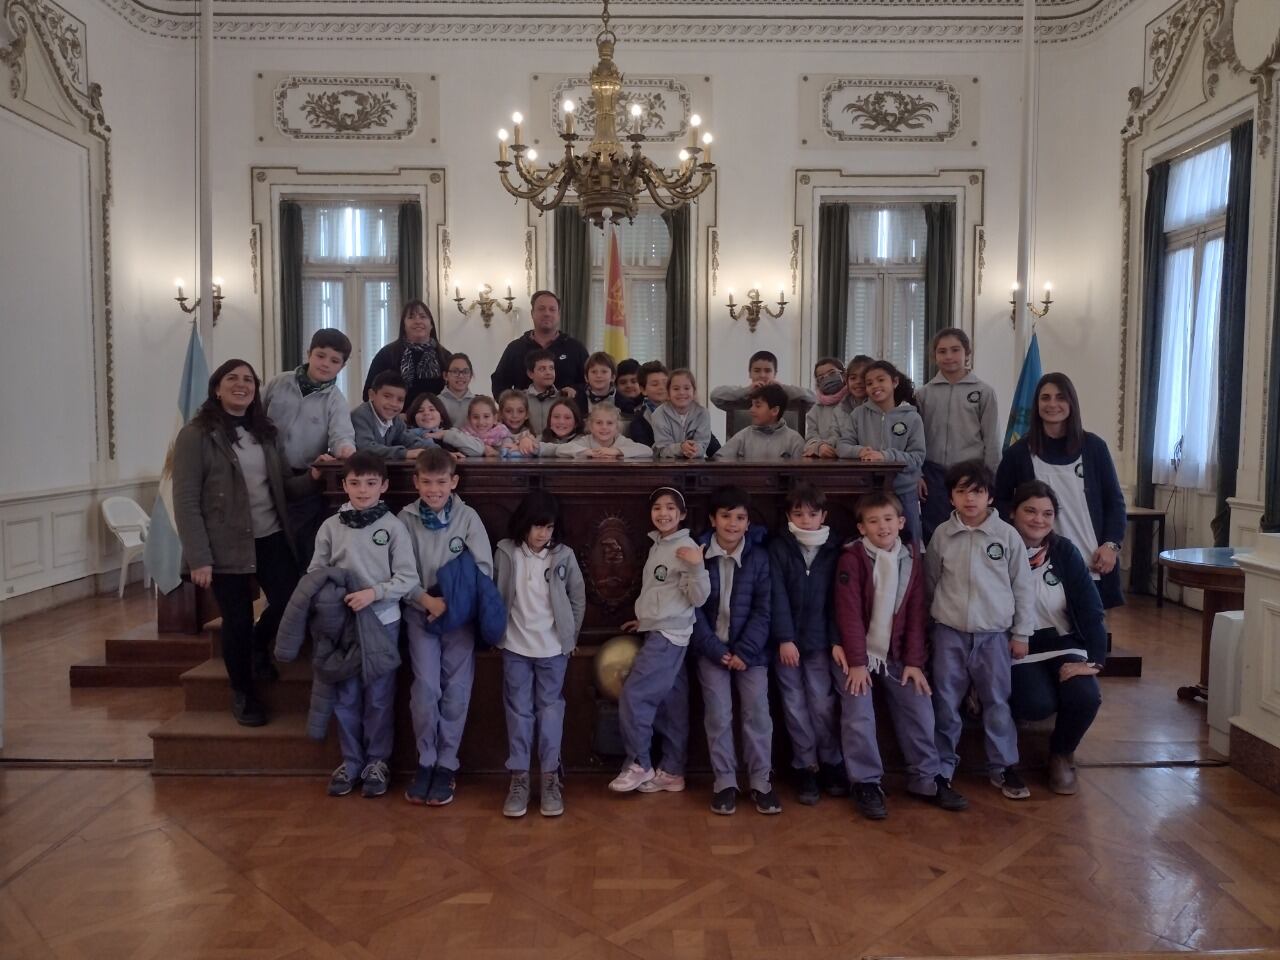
1024 396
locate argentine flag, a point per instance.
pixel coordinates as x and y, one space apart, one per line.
1024 396
162 556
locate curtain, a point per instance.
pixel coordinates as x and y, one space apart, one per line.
939 273
572 270
291 252
409 256
678 223
833 277
1153 263
1231 332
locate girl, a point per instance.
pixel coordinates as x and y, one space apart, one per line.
674 584
822 422
483 425
681 426
603 441
429 419
960 421
564 425
853 372
539 578
513 412
887 429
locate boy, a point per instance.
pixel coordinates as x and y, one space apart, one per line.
879 606
762 369
378 425
542 392
627 385
441 526
983 609
365 539
802 561
314 421
457 395
731 636
653 378
600 373
768 438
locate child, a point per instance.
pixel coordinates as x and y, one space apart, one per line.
601 371
363 537
428 419
627 387
802 561
822 422
887 429
441 527
983 609
960 421
762 369
314 421
853 372
879 606
681 426
564 425
768 438
653 378
542 392
378 425
731 636
539 578
603 441
674 584
513 413
457 395
483 425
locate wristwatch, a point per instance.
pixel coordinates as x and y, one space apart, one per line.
1113 545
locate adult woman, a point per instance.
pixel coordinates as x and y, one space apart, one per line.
1058 670
416 354
1079 468
229 488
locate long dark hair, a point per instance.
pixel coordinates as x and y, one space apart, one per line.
407 308
905 391
411 415
548 435
212 416
1074 435
537 509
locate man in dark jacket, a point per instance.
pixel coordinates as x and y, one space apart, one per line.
570 355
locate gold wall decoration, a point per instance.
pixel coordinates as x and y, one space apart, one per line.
940 111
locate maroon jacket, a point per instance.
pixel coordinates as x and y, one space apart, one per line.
854 594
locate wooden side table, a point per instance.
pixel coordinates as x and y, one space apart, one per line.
1213 570
1151 518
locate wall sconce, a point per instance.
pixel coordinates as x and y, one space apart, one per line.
217 299
1045 303
485 302
751 310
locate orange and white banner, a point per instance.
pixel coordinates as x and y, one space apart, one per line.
615 300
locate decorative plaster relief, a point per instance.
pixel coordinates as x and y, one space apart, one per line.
346 108
68 38
892 110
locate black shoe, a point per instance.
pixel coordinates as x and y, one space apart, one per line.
442 785
725 802
248 710
869 799
946 797
807 791
767 802
832 778
421 786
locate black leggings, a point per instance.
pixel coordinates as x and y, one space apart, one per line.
242 641
1038 693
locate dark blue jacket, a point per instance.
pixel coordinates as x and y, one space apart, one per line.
1084 606
802 610
470 597
1101 492
749 606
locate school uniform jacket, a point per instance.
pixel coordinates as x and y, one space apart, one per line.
391 445
897 433
750 601
961 421
802 611
855 595
567 589
669 433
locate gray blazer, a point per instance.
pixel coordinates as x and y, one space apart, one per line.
390 446
568 591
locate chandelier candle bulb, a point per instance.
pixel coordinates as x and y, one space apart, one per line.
695 122
517 118
706 148
568 117
731 298
502 146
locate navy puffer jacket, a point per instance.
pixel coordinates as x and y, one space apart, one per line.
749 606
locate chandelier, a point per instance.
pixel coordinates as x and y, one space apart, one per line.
607 179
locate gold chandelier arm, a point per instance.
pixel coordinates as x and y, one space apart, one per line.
557 197
530 177
677 196
521 194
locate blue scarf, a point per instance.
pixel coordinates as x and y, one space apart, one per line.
432 520
359 519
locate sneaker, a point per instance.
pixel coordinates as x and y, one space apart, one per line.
1010 784
869 799
339 783
662 781
766 802
807 790
832 778
248 710
421 786
376 779
630 778
725 802
946 796
442 786
551 797
517 802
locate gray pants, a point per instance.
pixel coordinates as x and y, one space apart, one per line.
651 701
443 670
912 715
533 695
365 712
752 686
980 659
809 709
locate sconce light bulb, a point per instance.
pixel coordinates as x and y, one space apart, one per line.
1014 288
569 106
683 155
706 139
503 135
531 155
177 281
695 121
517 117
217 281
1047 286
636 110
731 291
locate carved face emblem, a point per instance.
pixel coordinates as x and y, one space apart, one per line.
610 568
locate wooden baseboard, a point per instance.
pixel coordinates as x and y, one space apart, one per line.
1255 758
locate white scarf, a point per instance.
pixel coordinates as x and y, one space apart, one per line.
884 576
809 538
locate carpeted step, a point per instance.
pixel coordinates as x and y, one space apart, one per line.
205 687
210 741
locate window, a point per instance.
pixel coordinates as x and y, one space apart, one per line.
1184 452
349 278
886 315
645 246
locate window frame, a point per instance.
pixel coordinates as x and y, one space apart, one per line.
643 273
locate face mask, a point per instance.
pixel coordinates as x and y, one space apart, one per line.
830 383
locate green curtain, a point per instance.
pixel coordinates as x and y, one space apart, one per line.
833 277
409 257
291 251
571 270
678 223
1153 256
939 274
1271 440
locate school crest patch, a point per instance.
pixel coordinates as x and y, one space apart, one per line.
381 537
660 573
974 396
1080 469
561 571
844 577
456 545
898 429
1051 578
995 551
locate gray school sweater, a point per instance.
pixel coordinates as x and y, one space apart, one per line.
456 406
391 444
670 589
578 448
961 421
823 424
567 589
380 555
311 425
432 549
670 430
538 410
979 578
774 442
898 434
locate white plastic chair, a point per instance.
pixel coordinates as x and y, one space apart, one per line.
130 523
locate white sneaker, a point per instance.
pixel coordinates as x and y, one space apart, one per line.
630 778
662 781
